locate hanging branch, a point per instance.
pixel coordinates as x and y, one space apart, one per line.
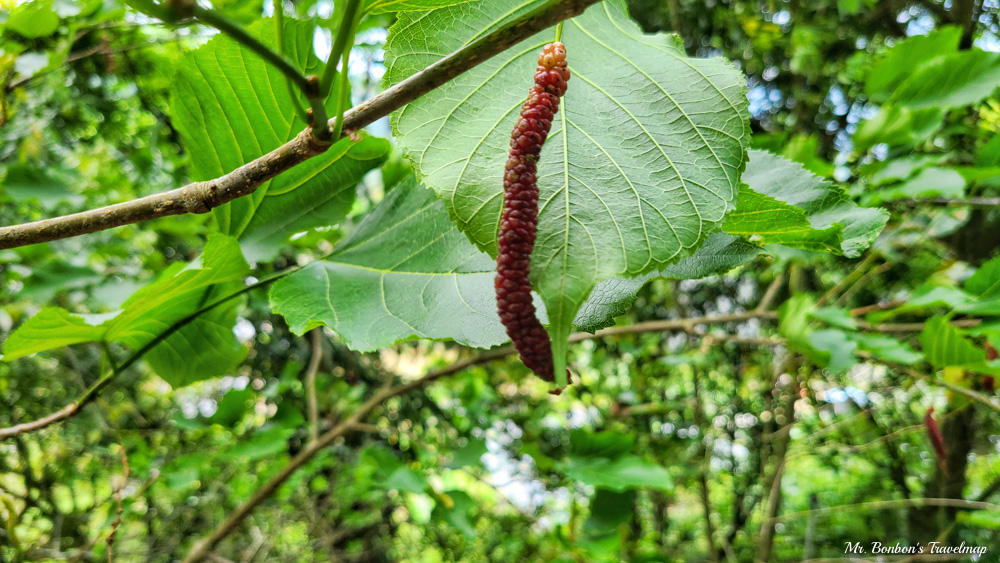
340 43
202 197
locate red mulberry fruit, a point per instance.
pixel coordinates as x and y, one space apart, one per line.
937 439
519 222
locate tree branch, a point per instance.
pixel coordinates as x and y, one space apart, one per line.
202 197
893 504
956 201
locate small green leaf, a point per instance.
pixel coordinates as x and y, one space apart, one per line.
835 316
583 443
946 345
793 320
33 19
468 455
629 472
887 348
405 479
232 408
836 347
609 509
457 516
201 349
263 444
989 519
898 126
949 81
49 188
985 283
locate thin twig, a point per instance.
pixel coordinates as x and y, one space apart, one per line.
968 393
279 32
971 201
771 293
315 356
849 279
912 327
891 504
202 197
347 22
120 508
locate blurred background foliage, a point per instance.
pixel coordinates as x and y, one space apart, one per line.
714 444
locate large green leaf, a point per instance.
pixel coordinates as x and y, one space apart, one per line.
946 345
887 348
642 164
200 349
985 283
406 272
33 19
230 108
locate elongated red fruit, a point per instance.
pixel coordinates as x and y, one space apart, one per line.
519 222
937 440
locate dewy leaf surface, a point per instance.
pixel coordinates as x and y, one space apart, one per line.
642 164
230 108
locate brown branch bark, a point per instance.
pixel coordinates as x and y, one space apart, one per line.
202 197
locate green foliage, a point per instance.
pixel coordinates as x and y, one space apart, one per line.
678 431
199 350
